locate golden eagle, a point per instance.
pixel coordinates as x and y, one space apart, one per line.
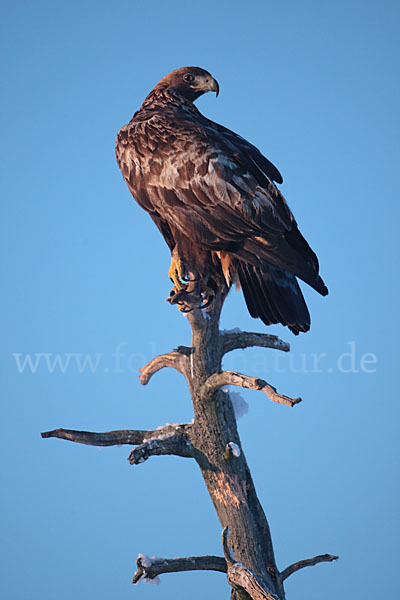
213 197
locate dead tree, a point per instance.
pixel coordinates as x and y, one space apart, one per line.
212 440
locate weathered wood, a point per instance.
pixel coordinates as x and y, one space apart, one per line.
149 568
118 437
242 578
308 562
234 340
229 482
108 438
213 441
217 380
177 444
175 359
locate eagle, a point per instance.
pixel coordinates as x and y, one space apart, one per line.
214 198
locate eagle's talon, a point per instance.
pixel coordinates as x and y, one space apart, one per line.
187 300
206 299
191 297
185 308
179 283
207 303
176 296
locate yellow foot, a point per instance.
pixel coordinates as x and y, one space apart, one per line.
177 273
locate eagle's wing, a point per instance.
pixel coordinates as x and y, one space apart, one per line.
251 152
132 150
217 189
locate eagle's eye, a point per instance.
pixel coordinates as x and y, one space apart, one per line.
188 77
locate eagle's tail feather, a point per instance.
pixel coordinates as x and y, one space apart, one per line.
299 260
274 296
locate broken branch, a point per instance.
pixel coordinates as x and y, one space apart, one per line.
246 339
176 359
178 445
308 562
240 577
217 380
109 438
118 437
149 568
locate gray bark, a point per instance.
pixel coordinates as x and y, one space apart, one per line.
249 556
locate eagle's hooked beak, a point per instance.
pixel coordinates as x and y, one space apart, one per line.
211 85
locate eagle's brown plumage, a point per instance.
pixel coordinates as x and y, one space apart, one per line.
212 196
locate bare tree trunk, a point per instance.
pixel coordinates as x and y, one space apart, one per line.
213 441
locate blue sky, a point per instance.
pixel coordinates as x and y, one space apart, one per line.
315 86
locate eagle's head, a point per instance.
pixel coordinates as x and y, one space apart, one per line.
189 82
